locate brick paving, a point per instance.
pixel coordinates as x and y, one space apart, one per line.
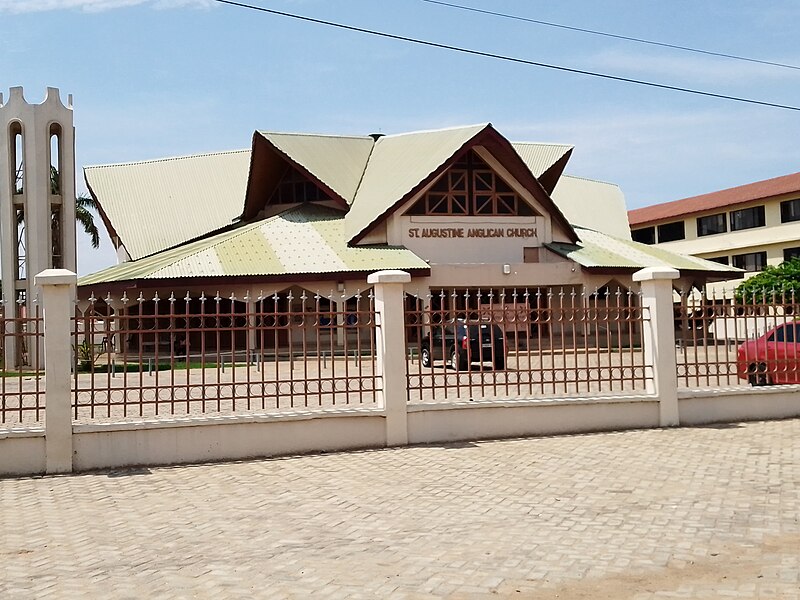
683 513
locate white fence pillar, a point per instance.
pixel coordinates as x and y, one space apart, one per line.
58 292
658 339
391 346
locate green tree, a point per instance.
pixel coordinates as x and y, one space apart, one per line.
783 280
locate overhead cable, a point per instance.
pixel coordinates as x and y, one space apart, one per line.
612 35
505 58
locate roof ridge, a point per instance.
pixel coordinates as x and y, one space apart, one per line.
590 179
734 187
542 144
441 129
308 134
167 159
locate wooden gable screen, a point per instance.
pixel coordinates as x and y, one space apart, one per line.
471 188
295 187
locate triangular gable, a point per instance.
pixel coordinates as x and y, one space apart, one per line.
401 166
334 163
471 187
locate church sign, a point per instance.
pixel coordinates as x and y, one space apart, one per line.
472 232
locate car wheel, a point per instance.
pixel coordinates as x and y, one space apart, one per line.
453 362
758 375
458 360
425 357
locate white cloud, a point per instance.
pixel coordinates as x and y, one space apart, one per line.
705 69
26 6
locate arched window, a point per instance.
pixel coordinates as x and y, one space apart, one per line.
17 155
55 159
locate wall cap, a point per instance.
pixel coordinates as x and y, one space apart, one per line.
56 277
656 273
389 276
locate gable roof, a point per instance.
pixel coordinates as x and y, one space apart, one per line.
181 198
336 163
760 190
401 165
277 246
397 165
599 250
192 196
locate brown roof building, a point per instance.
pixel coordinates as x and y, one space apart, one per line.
749 226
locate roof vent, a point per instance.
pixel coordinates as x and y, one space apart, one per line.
375 136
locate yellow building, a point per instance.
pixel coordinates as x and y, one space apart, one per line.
748 227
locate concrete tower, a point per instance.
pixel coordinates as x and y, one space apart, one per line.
37 200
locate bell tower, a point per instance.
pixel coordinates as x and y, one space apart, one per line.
37 199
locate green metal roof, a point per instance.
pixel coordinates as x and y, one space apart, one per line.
337 161
600 250
597 205
157 204
397 164
280 245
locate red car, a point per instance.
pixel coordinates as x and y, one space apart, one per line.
773 358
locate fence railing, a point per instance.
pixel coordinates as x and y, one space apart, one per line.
728 340
212 355
523 343
22 383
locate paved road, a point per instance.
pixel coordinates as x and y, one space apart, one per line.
683 513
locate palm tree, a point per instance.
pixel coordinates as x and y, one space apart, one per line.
84 205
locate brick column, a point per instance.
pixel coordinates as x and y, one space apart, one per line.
57 298
658 339
391 348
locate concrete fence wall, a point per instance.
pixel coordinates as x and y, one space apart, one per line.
64 446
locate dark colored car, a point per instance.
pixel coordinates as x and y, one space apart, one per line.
461 344
772 358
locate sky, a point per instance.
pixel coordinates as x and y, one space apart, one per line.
157 78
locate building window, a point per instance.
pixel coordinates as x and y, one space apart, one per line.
753 261
644 236
471 188
669 232
790 253
711 224
723 260
747 218
790 210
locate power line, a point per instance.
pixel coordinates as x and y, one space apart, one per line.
502 57
612 35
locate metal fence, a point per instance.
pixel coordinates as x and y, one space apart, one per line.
727 340
474 344
21 363
216 356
